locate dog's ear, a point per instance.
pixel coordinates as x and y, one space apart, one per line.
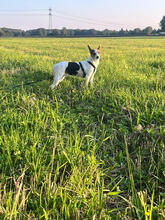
90 49
99 49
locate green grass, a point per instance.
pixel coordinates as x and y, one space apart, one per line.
76 152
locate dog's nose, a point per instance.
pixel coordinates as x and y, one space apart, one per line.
97 57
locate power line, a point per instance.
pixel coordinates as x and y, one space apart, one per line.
73 19
22 11
78 18
59 14
14 14
88 19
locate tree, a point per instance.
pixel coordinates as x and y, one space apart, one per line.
136 32
162 24
42 32
147 30
56 33
2 33
65 32
121 32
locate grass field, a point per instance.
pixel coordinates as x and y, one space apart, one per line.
82 153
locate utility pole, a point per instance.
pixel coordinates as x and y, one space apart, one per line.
50 20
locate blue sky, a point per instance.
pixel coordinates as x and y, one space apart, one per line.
98 14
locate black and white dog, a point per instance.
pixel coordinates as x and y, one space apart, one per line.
85 69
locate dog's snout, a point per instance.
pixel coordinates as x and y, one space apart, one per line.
97 57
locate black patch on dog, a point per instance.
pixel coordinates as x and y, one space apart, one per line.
72 68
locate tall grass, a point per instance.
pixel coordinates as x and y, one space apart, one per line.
76 152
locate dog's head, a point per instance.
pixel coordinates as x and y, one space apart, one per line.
95 54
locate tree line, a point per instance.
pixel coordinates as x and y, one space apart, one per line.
64 32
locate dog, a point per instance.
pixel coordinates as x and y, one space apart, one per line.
85 69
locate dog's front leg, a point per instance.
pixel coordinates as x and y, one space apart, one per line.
91 79
87 81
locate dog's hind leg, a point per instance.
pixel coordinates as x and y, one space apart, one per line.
53 85
56 82
59 73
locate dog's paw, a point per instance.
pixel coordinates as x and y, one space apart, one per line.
52 86
91 85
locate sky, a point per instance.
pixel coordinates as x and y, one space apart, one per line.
82 14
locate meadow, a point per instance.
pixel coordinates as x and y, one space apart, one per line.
76 152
